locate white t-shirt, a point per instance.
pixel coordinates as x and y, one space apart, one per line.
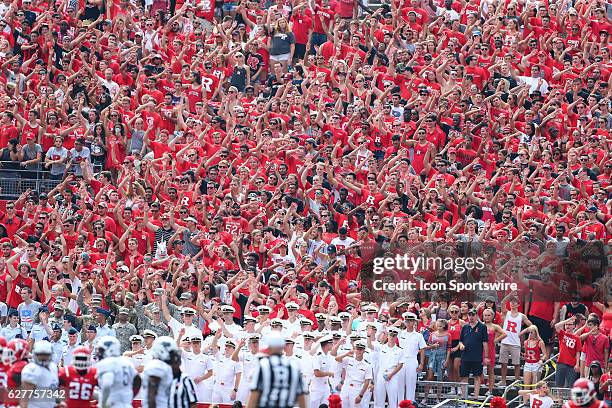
161 370
543 402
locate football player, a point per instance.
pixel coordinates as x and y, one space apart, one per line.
79 379
157 375
117 377
584 395
41 373
15 356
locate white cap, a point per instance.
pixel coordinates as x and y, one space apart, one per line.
409 316
274 340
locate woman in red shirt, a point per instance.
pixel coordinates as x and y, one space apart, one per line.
454 330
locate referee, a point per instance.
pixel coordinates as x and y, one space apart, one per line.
277 382
182 391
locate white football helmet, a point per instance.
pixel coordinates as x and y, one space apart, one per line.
165 349
583 391
108 347
41 353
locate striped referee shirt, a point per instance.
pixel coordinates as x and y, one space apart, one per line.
279 382
182 392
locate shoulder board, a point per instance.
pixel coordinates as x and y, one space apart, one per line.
399 347
366 361
319 353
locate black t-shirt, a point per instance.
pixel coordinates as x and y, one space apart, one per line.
254 61
510 79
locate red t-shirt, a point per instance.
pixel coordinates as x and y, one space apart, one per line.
569 345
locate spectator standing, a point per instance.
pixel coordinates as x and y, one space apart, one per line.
124 330
56 159
596 345
570 347
510 349
27 309
474 349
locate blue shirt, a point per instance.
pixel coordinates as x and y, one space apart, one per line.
473 339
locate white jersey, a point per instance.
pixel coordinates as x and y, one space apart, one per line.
118 373
42 378
163 371
512 326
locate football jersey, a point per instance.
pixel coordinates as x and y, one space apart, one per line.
4 369
43 378
14 370
163 371
122 371
79 387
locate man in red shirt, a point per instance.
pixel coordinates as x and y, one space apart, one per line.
570 346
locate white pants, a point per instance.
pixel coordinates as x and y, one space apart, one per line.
243 392
389 389
348 394
410 367
319 394
204 391
401 381
221 394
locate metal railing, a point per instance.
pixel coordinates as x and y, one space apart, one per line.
518 382
433 391
15 181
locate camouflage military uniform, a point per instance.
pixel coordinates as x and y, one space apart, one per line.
124 331
145 323
114 307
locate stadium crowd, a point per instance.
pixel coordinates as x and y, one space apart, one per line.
222 170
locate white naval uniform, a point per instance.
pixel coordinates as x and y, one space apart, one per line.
141 360
197 365
412 343
249 362
389 358
356 374
320 386
306 365
176 327
292 327
224 369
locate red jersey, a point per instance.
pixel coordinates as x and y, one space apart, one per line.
15 372
4 370
593 404
79 386
235 226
